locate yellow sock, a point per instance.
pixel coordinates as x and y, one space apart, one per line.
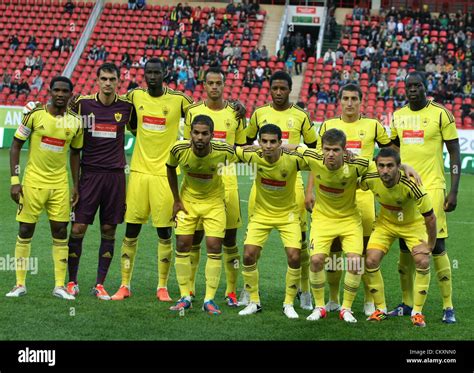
60 255
304 256
127 259
250 275
406 269
183 272
351 285
293 277
443 273
422 283
231 265
368 298
376 287
195 256
318 281
164 261
334 277
213 275
22 255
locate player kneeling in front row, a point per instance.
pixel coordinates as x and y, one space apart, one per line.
403 204
201 199
275 207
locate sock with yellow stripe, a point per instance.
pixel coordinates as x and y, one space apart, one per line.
127 259
351 285
368 298
406 269
376 287
293 276
334 277
213 275
250 275
195 256
443 273
231 265
22 256
304 257
60 254
182 266
422 283
164 261
318 281
106 253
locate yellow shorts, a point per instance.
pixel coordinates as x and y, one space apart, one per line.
437 199
366 206
212 216
385 233
35 200
324 230
259 228
299 190
149 194
232 205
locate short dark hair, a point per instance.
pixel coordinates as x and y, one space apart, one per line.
214 70
203 119
156 60
334 136
108 67
351 87
271 129
281 75
64 79
418 74
389 152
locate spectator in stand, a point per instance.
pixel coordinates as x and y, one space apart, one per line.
182 75
289 65
228 51
6 81
308 45
203 36
354 76
37 83
31 44
231 8
69 7
322 97
23 88
361 52
401 74
201 74
259 75
57 43
102 53
330 57
340 52
141 4
39 64
332 99
249 79
430 67
126 61
178 63
382 86
281 54
253 8
143 60
14 42
313 89
399 100
365 65
132 4
191 81
358 13
255 54
264 53
165 24
300 58
247 34
150 42
29 62
67 45
348 58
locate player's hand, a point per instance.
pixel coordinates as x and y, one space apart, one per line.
422 248
177 207
309 201
411 173
73 105
348 155
30 106
251 147
239 108
15 192
74 197
450 202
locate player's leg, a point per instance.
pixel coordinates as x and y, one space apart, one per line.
76 237
138 211
60 256
441 260
195 256
422 282
334 274
317 277
161 203
29 208
373 258
231 266
106 253
406 270
214 221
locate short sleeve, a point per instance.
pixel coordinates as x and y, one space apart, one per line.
252 128
381 135
187 125
448 126
393 129
309 132
172 160
424 202
77 141
240 138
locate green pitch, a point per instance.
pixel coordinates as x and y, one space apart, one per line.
40 316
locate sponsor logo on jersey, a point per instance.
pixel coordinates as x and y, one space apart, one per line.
52 144
273 184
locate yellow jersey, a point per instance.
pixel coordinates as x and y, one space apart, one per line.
157 128
294 123
421 134
402 204
50 139
202 181
336 189
275 182
361 135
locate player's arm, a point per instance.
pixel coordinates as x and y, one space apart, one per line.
133 122
16 190
455 170
430 223
239 109
74 162
187 125
173 183
240 139
381 136
395 139
252 129
309 133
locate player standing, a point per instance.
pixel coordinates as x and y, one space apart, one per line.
52 131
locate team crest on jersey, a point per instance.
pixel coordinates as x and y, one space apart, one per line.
227 123
212 168
318 177
362 134
141 108
343 183
118 117
290 123
68 132
165 110
399 202
284 173
425 122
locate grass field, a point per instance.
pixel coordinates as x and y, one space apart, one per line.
40 316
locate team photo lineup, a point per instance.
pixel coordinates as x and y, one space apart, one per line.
342 192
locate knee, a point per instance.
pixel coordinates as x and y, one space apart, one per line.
294 259
183 245
317 263
107 230
214 246
371 261
133 230
249 258
422 261
79 229
354 265
164 233
26 231
59 231
439 247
